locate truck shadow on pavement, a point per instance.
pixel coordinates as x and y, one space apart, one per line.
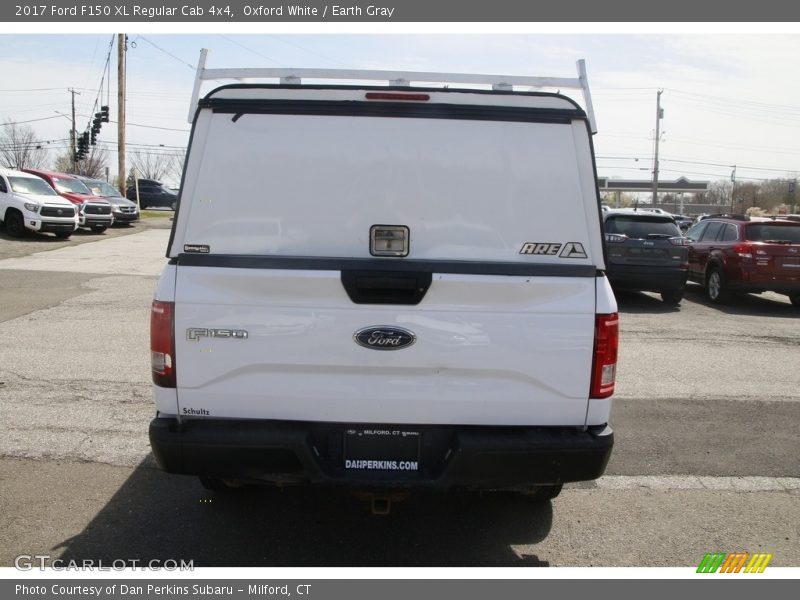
740 304
641 303
155 516
759 305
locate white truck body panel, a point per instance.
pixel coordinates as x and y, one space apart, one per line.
499 352
490 350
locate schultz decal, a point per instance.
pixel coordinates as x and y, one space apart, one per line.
196 248
384 338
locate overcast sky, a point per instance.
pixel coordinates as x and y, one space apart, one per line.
729 99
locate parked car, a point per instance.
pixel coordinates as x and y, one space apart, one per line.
93 213
683 221
645 252
124 211
28 203
152 193
733 253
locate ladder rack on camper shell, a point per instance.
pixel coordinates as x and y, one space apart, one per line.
392 78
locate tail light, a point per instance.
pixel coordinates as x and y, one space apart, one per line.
616 238
743 250
678 241
162 343
604 364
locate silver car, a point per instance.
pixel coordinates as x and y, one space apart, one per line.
124 210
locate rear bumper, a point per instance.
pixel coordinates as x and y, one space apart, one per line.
290 452
646 277
754 281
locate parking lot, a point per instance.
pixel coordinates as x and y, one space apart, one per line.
707 456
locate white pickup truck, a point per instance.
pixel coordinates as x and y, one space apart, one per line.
27 203
386 287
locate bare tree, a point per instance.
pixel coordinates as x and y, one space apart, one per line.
94 165
19 148
157 165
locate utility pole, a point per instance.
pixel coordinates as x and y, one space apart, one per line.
73 134
733 188
121 48
659 116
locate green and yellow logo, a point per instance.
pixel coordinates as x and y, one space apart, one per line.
736 562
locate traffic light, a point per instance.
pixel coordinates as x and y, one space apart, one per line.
96 125
104 115
83 146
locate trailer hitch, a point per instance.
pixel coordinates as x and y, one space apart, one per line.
380 502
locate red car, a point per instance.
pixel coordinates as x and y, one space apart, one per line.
732 253
94 213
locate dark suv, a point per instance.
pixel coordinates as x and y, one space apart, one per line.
645 251
732 253
152 193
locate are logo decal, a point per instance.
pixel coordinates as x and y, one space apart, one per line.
566 250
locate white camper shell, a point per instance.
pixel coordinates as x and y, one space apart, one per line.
386 285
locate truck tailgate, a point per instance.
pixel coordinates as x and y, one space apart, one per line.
490 349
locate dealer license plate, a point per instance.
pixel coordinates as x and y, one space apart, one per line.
381 449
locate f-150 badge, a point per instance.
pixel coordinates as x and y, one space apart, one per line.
194 334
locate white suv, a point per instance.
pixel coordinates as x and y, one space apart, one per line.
27 202
410 293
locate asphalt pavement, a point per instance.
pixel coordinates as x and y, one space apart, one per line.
707 457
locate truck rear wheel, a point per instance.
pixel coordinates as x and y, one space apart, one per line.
672 297
99 228
63 235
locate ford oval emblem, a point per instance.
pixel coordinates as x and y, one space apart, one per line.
384 337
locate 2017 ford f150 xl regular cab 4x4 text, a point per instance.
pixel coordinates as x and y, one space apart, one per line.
386 287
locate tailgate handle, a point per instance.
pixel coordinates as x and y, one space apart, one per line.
381 287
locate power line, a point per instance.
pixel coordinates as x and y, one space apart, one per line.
256 52
59 89
157 47
722 176
154 127
30 120
729 101
726 165
317 54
